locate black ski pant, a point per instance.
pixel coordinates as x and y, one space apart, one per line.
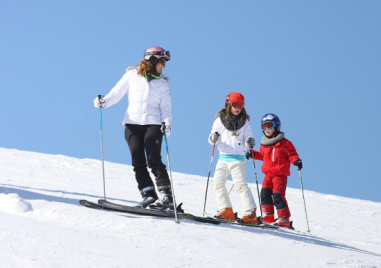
146 140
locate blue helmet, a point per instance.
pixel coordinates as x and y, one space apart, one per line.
269 121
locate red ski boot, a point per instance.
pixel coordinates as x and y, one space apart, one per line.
267 218
284 222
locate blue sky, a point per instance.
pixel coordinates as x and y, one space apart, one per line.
316 65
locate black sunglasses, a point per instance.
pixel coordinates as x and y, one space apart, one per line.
162 61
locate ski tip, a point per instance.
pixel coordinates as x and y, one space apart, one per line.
82 201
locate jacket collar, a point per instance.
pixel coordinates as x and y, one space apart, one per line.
268 141
152 75
232 123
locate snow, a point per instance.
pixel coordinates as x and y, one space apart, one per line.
43 225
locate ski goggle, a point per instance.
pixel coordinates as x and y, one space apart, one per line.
164 53
162 61
268 125
237 105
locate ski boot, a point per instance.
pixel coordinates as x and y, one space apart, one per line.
166 200
267 218
226 214
249 218
284 222
149 197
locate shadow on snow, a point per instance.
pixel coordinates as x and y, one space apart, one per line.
27 193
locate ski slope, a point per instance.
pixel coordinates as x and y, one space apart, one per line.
43 225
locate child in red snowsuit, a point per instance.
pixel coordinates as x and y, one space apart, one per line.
277 153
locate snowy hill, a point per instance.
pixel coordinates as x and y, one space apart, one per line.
42 224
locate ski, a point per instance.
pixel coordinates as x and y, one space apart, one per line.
110 206
153 212
93 205
278 225
256 225
259 225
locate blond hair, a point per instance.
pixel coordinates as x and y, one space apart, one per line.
144 66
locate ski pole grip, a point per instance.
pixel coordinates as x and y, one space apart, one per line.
99 97
163 128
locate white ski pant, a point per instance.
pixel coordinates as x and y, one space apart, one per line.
237 171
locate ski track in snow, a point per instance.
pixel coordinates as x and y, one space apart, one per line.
43 225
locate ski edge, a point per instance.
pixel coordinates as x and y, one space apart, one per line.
260 225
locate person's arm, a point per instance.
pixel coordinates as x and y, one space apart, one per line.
166 107
259 155
248 136
293 155
215 129
118 91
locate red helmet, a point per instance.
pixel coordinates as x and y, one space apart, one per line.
234 97
157 52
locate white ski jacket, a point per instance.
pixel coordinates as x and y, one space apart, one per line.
228 144
149 103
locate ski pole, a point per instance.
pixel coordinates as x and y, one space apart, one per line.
256 179
207 182
170 177
103 162
305 208
231 189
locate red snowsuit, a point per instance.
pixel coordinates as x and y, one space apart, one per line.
276 159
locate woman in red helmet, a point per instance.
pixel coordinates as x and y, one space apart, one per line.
232 133
148 116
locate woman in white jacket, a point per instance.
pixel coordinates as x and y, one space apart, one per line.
232 133
147 117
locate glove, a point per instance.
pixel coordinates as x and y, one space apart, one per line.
299 164
214 137
250 142
99 102
250 155
166 129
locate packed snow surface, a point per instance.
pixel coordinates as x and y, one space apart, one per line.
43 225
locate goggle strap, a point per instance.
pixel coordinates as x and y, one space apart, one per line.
154 53
272 122
164 53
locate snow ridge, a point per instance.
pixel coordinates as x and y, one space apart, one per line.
43 225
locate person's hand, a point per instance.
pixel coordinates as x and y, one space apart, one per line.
166 129
299 164
214 137
99 102
250 142
249 154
